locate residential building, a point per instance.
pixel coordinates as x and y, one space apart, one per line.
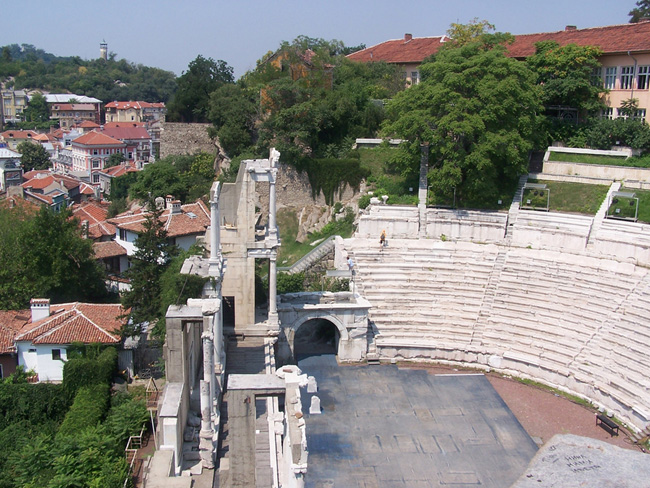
408 52
42 343
73 114
625 59
45 182
14 103
135 112
11 173
14 137
107 176
11 322
183 223
137 140
90 153
70 98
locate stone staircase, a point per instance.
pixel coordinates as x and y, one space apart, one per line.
513 211
600 215
311 258
488 299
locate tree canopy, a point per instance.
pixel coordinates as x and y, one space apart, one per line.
151 259
565 74
203 77
477 109
640 12
45 256
33 156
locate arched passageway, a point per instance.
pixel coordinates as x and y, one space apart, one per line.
316 337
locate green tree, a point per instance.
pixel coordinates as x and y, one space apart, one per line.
565 75
37 112
191 100
234 113
149 262
478 110
158 180
461 34
33 156
640 12
114 160
45 256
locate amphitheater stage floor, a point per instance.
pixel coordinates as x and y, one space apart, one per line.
383 426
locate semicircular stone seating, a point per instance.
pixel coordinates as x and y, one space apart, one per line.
574 321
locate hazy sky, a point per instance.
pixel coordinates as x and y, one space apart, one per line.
168 34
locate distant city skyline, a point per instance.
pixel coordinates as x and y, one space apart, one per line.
168 34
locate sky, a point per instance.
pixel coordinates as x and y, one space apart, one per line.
169 34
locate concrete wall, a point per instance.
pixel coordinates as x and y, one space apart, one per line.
41 361
597 171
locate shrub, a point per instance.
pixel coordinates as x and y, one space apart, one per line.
126 418
364 201
88 409
290 283
80 372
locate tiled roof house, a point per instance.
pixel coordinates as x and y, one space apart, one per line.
91 151
625 60
41 344
11 322
184 223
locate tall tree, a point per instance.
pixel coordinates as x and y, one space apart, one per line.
33 156
204 76
149 262
45 256
37 112
565 75
640 12
478 110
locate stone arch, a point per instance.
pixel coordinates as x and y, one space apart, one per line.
288 334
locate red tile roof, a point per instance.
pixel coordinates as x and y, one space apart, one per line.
127 133
74 106
136 105
18 134
400 51
76 322
121 169
194 218
612 39
95 214
94 138
112 125
11 321
108 249
87 124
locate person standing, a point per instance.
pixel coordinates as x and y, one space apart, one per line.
382 240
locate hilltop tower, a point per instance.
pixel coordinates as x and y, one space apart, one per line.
103 50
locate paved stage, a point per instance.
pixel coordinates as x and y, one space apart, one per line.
387 427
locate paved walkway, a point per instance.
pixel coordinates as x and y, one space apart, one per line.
383 426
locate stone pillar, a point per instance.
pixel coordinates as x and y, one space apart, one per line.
208 367
206 436
215 232
273 290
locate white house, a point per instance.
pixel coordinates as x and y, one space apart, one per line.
42 344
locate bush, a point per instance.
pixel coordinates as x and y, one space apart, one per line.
88 410
34 403
126 419
364 201
80 372
290 283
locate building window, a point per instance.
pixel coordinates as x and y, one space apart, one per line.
123 235
97 164
639 114
643 72
56 354
610 77
415 77
607 113
130 156
95 178
597 76
627 77
95 152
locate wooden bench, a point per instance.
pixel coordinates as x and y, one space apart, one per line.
607 423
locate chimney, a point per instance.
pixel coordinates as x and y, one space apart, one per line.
408 37
84 229
40 308
570 28
176 207
168 201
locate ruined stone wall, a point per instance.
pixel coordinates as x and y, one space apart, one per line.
178 138
293 191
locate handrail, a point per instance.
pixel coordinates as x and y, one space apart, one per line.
290 269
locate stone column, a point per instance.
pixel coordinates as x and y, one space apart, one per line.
273 228
215 232
423 189
206 436
273 290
